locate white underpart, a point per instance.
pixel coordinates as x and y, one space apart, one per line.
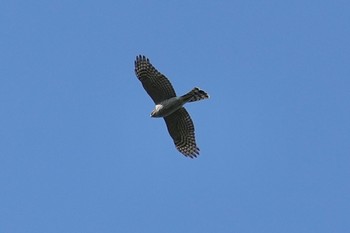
158 107
156 110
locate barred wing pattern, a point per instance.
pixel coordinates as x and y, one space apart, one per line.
156 84
181 129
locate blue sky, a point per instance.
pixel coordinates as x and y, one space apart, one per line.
79 152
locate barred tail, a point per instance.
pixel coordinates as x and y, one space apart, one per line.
195 94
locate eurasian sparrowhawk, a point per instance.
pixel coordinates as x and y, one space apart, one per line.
169 106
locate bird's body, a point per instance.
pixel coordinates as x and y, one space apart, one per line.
169 106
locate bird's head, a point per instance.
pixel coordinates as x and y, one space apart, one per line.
153 113
156 111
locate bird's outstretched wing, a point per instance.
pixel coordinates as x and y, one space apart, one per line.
156 84
181 129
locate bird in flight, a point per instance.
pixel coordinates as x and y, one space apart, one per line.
169 106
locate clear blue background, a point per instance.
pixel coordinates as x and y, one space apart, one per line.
79 152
